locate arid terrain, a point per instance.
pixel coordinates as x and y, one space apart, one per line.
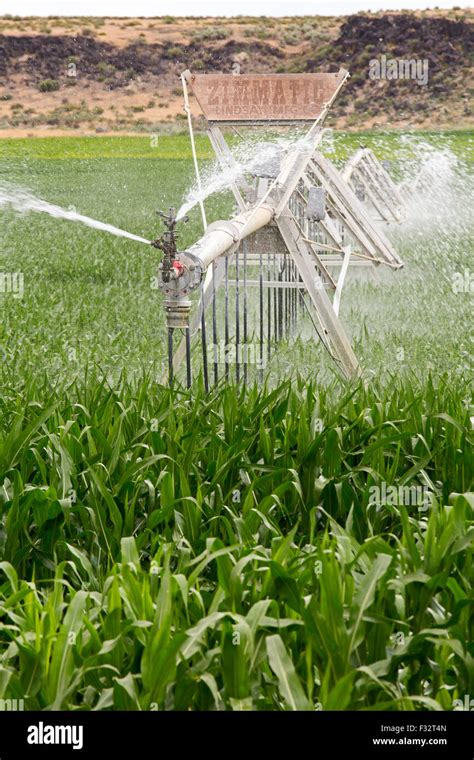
92 75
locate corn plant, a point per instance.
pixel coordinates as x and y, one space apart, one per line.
164 549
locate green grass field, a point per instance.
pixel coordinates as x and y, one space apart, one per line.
165 549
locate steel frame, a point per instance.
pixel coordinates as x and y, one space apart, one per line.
373 185
272 222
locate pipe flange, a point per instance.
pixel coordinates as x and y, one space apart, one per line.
185 276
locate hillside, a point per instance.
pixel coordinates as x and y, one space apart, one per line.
105 75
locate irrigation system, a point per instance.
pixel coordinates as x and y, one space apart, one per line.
300 225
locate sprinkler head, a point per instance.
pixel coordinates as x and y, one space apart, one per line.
179 273
168 243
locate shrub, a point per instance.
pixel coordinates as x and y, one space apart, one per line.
49 85
174 52
211 33
105 68
291 38
261 32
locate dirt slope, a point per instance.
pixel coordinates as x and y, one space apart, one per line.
89 75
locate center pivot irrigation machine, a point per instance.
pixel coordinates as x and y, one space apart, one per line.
300 224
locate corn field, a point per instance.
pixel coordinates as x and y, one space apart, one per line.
169 550
303 543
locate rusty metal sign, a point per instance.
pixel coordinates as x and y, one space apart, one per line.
275 98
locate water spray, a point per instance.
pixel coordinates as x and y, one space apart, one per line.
298 229
23 201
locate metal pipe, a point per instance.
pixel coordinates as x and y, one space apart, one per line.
204 351
237 319
269 313
170 354
214 323
222 236
245 338
226 318
275 308
188 358
260 263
